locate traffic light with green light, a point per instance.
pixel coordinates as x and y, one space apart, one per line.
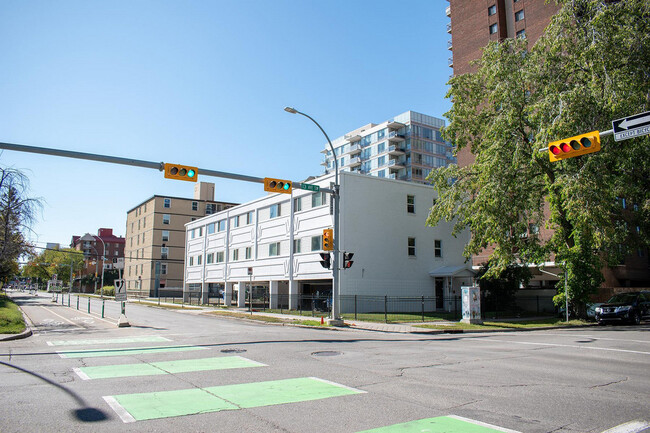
277 185
181 172
574 146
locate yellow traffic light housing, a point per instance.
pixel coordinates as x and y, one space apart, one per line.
181 172
328 240
574 146
277 185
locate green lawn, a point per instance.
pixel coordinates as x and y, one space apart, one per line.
11 319
528 324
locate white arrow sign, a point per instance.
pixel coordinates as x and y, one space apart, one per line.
631 126
628 123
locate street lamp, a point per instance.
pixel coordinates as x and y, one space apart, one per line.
88 237
336 316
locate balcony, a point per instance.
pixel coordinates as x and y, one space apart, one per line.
448 11
450 61
396 165
324 163
394 136
394 125
449 28
353 137
449 45
395 150
354 162
354 149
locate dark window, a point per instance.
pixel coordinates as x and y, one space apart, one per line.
492 10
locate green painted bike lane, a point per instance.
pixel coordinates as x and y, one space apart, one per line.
93 353
441 424
127 340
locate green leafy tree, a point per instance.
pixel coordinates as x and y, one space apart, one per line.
59 262
591 66
500 290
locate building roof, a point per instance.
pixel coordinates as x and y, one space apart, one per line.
452 271
178 198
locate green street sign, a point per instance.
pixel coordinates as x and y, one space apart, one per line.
309 187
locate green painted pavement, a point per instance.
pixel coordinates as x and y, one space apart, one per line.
152 339
144 406
441 424
167 367
124 351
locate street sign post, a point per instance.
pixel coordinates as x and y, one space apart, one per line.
120 290
631 126
309 187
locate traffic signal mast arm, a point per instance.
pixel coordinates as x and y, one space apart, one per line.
160 166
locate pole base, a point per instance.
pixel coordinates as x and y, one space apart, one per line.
335 322
472 321
123 322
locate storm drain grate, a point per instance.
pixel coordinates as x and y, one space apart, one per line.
233 350
326 353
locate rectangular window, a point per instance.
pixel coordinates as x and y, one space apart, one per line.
167 203
410 203
200 231
316 243
249 218
210 228
274 211
318 199
249 253
274 249
191 261
297 204
209 209
163 268
493 29
192 233
209 258
195 205
221 226
296 246
235 221
411 247
521 34
437 248
235 255
519 15
220 257
166 218
164 252
492 10
165 235
144 222
199 258
381 173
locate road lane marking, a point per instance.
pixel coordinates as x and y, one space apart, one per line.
593 336
573 346
58 315
166 367
165 404
119 410
635 426
441 424
93 353
143 339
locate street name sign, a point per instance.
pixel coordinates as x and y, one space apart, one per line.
120 290
631 126
309 187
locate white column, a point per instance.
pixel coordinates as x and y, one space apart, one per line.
205 292
241 295
227 295
293 294
273 294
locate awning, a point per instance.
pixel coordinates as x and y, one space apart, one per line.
452 271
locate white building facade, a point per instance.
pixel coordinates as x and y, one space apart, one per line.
273 244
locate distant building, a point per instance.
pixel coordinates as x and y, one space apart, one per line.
52 246
155 239
101 252
406 147
275 242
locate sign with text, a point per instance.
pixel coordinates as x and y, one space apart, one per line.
631 126
120 290
309 187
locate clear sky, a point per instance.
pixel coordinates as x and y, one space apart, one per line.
204 83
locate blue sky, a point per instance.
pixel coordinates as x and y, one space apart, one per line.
201 83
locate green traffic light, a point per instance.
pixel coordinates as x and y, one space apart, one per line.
286 186
190 173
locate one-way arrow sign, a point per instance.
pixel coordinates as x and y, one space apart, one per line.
632 126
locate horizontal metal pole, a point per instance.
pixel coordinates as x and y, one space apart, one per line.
160 166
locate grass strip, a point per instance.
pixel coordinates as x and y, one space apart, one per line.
495 326
268 319
11 319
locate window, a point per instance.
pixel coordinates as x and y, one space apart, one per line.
296 246
163 268
492 10
200 231
297 204
274 211
167 203
144 222
139 224
192 233
533 229
199 258
381 161
221 226
274 249
316 243
165 235
235 255
318 199
209 208
381 173
210 228
195 205
437 248
220 257
164 252
493 28
411 247
249 253
521 34
209 258
191 261
166 218
410 204
235 221
249 218
519 15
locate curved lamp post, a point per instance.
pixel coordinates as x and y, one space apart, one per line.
336 310
88 237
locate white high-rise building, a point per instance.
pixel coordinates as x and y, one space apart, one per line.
406 147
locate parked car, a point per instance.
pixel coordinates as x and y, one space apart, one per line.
591 310
628 307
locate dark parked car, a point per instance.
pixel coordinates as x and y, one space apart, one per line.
628 307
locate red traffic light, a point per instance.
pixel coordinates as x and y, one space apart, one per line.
574 146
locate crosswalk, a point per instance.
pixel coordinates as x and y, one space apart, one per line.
168 401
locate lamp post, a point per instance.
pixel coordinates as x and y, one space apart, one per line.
89 237
336 316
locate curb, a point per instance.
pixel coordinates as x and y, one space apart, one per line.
26 333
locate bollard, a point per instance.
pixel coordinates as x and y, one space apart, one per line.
89 305
77 302
103 305
69 299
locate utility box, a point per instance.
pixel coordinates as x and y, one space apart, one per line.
471 298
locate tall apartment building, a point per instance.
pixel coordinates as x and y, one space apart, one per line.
155 239
406 147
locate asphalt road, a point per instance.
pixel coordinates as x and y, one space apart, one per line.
573 380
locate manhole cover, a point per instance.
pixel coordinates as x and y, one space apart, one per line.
326 353
233 350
